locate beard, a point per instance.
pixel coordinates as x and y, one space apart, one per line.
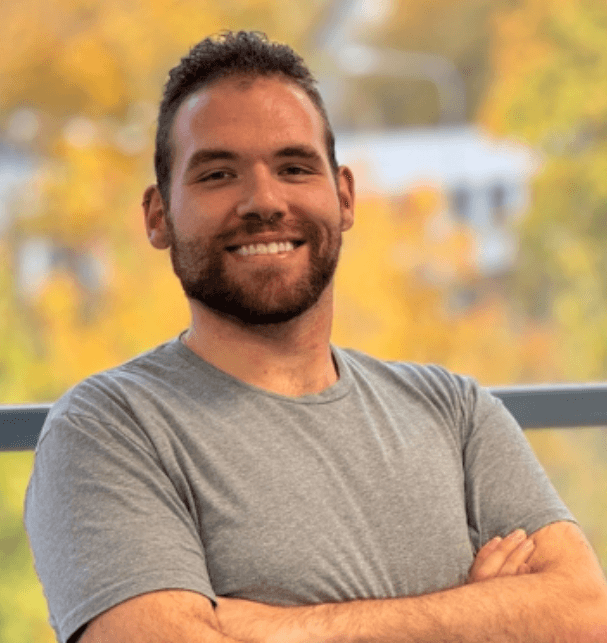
264 296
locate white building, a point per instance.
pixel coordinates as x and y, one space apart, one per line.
485 180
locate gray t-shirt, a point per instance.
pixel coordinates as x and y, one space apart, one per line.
168 473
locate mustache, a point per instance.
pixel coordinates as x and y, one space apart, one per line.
257 225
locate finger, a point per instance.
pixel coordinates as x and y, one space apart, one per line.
517 558
523 569
485 551
490 566
481 556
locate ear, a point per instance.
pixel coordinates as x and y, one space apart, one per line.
155 213
345 187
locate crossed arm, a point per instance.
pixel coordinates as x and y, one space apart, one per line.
552 591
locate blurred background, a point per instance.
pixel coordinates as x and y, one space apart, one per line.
477 132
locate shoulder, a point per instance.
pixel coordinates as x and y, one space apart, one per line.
112 394
425 379
457 400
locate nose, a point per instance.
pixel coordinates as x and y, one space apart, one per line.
262 199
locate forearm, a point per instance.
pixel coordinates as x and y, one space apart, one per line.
525 609
178 616
531 608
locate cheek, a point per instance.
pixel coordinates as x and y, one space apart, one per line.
325 202
321 208
191 219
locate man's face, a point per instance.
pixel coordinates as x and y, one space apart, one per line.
256 214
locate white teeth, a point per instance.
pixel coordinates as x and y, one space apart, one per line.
265 249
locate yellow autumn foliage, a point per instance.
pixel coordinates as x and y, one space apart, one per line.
92 70
401 262
549 63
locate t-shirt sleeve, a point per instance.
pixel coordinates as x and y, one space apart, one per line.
105 523
506 487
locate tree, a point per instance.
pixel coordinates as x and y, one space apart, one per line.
550 82
87 74
456 30
400 309
549 64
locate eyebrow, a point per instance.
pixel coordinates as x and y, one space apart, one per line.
205 156
299 151
292 151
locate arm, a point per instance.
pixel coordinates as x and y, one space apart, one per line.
130 528
563 598
177 616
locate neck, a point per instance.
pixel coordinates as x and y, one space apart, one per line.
291 358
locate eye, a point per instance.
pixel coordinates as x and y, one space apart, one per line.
296 170
216 175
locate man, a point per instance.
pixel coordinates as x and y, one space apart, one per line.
248 481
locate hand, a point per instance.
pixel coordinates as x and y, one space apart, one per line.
502 557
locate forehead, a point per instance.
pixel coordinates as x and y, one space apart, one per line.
246 113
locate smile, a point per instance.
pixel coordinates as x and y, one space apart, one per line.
272 248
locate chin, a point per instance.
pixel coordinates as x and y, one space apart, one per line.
251 311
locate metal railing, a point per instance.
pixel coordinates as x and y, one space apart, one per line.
539 406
